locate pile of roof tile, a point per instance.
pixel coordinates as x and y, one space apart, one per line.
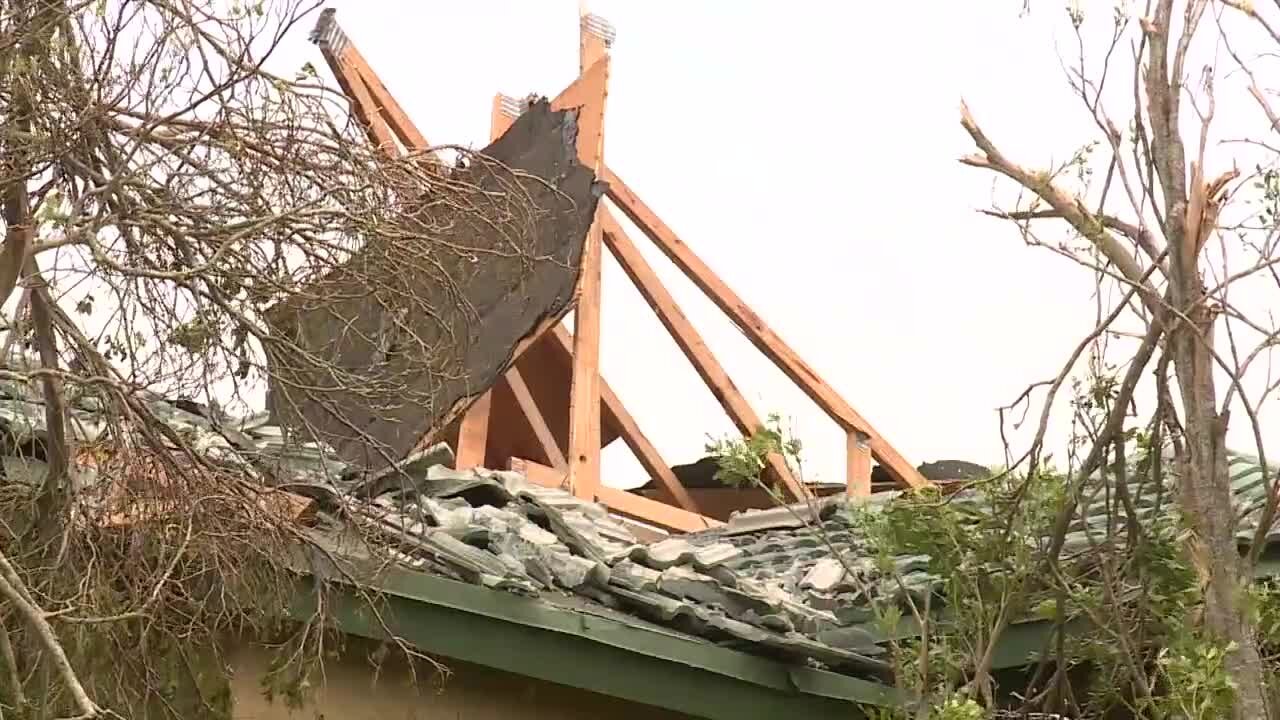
793 582
766 579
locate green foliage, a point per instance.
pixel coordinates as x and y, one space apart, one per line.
1198 685
986 550
956 708
982 549
1264 606
741 461
1268 186
197 335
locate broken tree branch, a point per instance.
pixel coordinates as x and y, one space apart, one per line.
14 590
1071 209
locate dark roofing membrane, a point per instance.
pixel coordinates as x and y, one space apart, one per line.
494 281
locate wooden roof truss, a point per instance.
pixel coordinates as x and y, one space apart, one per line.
521 405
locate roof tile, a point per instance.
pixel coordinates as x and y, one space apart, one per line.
790 582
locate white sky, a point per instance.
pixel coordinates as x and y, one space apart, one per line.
807 151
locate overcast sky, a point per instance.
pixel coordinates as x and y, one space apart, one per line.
807 151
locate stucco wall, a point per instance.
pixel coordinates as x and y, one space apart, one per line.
350 691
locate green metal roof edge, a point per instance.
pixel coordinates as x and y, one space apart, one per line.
587 651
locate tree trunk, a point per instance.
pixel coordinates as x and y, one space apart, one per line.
1206 499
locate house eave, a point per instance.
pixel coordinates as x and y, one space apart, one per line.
538 639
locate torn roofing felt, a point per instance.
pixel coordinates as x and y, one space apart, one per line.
392 346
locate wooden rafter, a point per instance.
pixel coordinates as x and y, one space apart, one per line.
388 109
658 513
587 94
346 68
636 440
502 115
595 35
375 106
768 342
690 342
858 454
626 503
473 433
529 408
539 474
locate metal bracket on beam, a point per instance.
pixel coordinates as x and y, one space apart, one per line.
327 34
512 107
600 27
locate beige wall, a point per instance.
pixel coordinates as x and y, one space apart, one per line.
469 692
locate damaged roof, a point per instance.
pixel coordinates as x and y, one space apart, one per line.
793 584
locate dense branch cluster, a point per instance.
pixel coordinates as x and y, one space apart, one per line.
163 192
1175 218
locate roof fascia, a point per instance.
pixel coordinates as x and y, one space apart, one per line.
531 637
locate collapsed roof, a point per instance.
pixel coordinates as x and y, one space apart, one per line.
795 583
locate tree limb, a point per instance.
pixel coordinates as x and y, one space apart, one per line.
1072 209
14 590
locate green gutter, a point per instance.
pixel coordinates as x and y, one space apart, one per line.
644 664
536 639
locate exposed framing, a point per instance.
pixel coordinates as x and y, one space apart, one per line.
591 401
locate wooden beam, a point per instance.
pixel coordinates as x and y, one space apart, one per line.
595 35
648 456
758 332
473 434
644 533
690 342
584 389
388 108
587 94
336 49
500 115
622 502
362 101
721 502
657 513
593 84
362 84
858 456
288 506
547 367
282 505
537 473
529 407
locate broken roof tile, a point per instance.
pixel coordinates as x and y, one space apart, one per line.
634 576
794 582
